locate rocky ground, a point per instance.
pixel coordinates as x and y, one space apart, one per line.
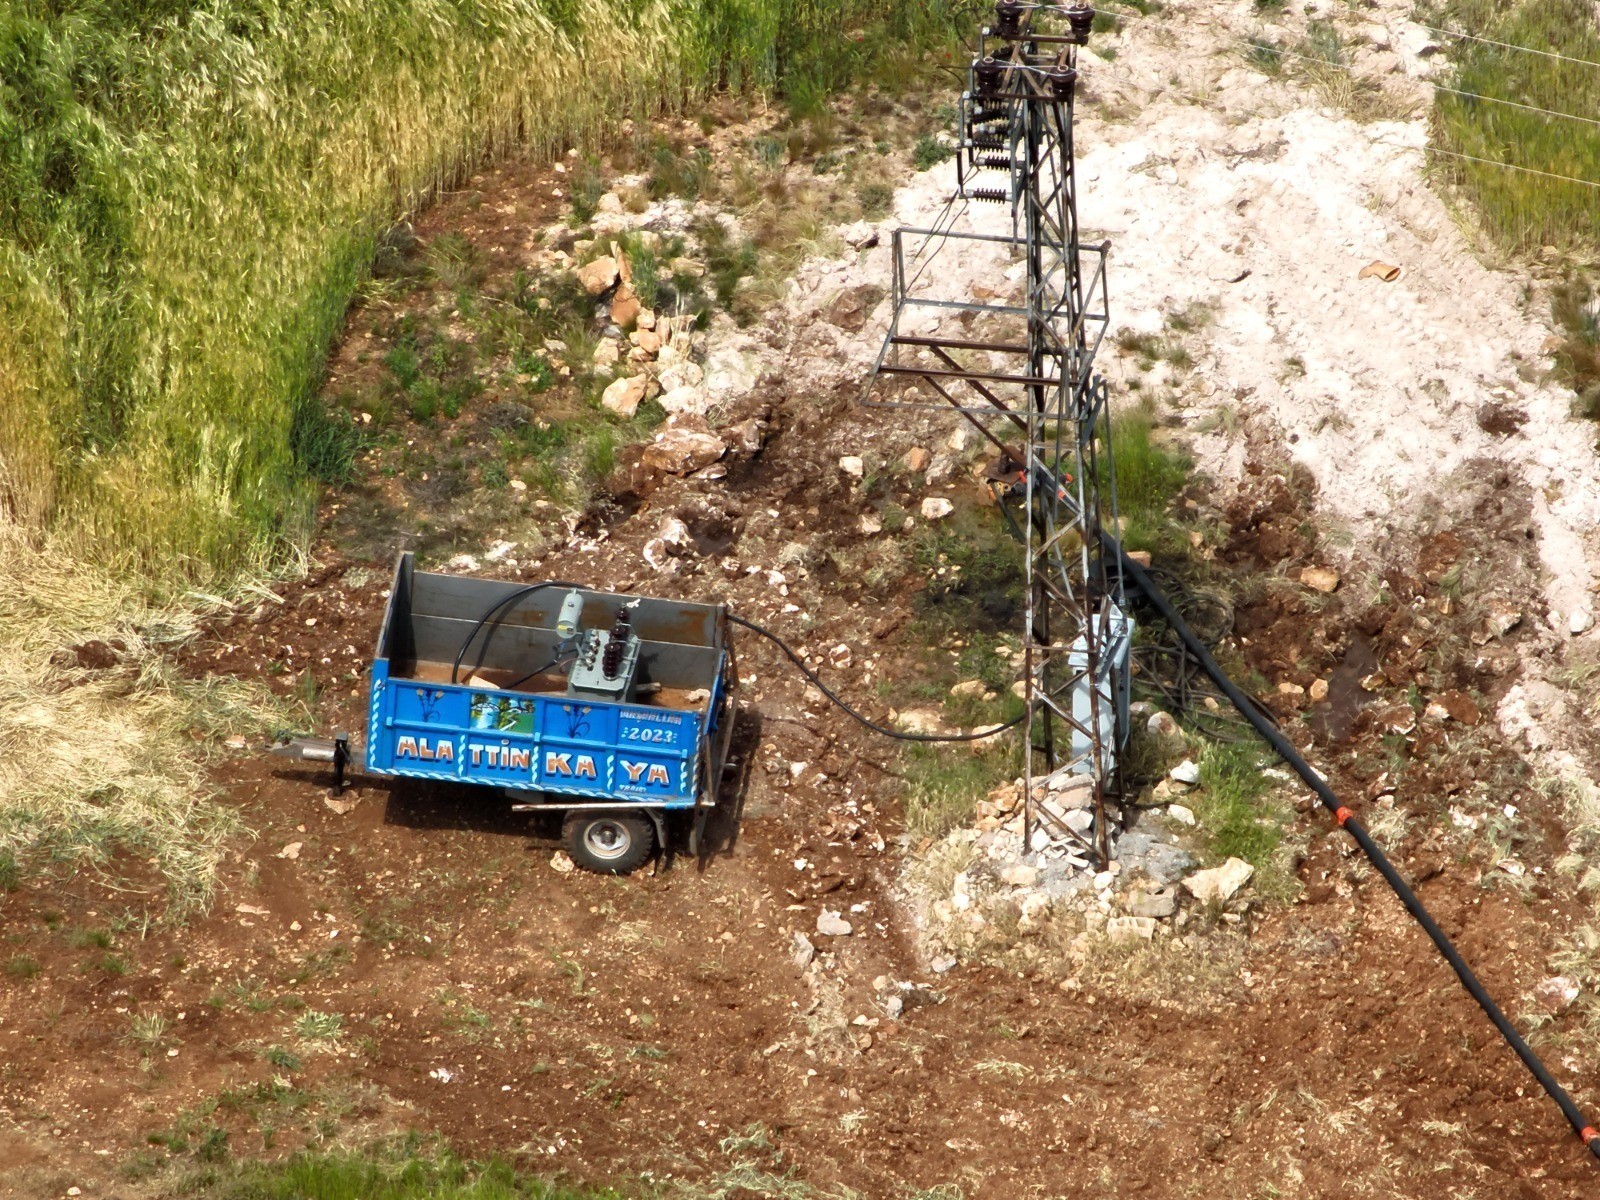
1392 503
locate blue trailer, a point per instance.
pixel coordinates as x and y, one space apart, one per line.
616 709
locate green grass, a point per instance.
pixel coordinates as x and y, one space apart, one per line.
189 200
1524 212
1238 814
394 1175
1149 474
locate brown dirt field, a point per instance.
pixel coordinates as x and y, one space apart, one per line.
598 1028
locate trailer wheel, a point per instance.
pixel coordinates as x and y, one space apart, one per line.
609 843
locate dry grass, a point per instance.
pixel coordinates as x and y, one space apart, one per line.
97 762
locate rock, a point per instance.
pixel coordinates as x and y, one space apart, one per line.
462 562
943 963
291 851
921 720
648 341
852 466
747 436
1454 706
916 459
647 320
804 950
561 863
1219 884
686 399
831 924
607 352
859 235
1142 557
681 374
673 535
1068 791
1556 994
1155 905
686 267
1128 930
1186 773
870 524
1503 618
1581 621
1161 724
970 687
1180 814
610 202
598 275
936 508
941 469
623 396
1035 907
840 657
625 307
682 445
340 805
850 308
1319 691
1319 579
1079 820
1020 875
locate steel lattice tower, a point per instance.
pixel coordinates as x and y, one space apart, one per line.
1021 370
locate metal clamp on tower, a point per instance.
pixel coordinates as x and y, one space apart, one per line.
1019 365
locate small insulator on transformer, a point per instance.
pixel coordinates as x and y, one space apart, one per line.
986 76
1062 81
1081 20
1009 14
611 660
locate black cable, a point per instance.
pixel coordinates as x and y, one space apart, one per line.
525 590
872 725
511 687
1375 855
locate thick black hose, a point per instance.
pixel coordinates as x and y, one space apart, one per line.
525 590
850 712
1141 578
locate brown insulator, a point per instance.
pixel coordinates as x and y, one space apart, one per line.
1081 20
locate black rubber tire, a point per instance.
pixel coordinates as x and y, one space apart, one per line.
609 843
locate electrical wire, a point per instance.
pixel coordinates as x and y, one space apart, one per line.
872 725
510 597
1438 87
1490 162
1472 37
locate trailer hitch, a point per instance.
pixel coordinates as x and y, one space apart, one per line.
335 750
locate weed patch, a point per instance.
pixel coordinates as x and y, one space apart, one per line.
1524 212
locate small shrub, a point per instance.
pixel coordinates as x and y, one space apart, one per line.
284 1060
929 152
147 1031
22 967
314 1026
876 199
10 871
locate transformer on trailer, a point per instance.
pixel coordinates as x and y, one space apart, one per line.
1021 370
615 709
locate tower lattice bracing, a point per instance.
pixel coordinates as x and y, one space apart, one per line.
1015 356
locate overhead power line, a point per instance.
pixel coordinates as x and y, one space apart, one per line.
1492 162
1472 37
1438 87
